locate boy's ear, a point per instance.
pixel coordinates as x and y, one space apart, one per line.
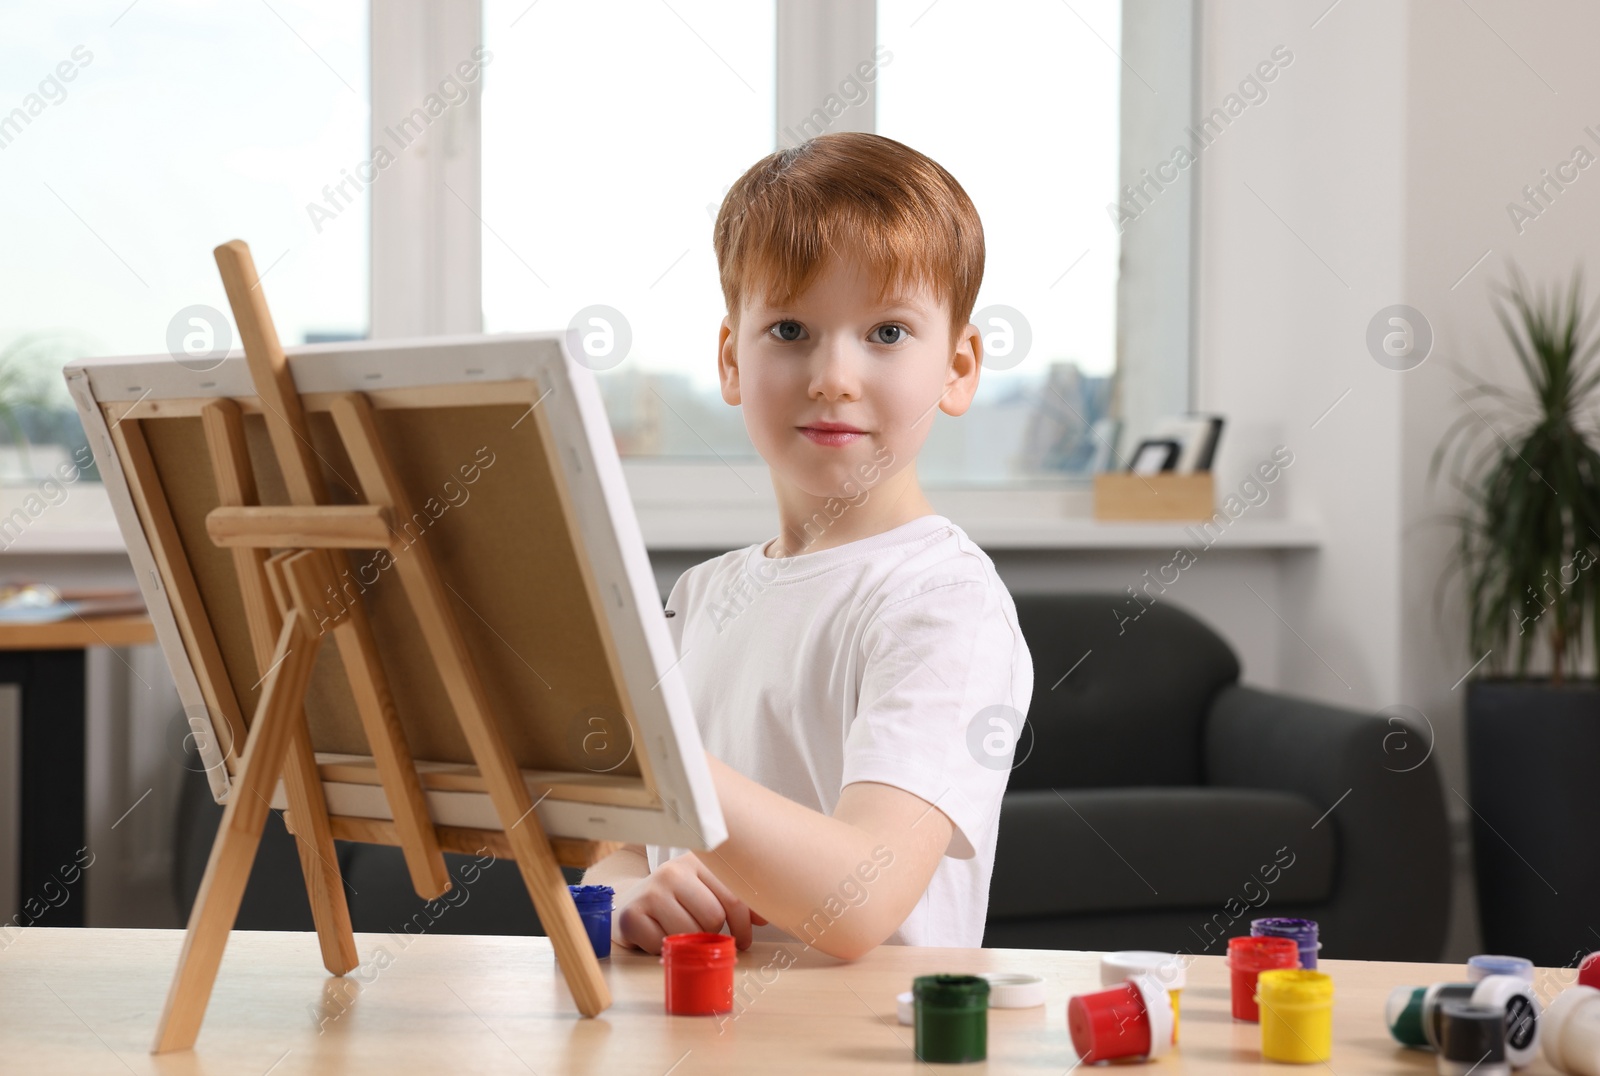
966 362
728 363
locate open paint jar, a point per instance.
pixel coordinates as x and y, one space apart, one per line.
952 1017
1482 966
1248 958
594 908
1296 1015
1303 931
699 973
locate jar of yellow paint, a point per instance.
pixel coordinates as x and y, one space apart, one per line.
1296 1015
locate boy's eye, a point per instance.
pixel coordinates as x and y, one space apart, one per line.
788 331
889 334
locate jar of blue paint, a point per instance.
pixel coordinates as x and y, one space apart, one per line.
594 908
1482 966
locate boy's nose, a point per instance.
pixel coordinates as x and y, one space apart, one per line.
836 372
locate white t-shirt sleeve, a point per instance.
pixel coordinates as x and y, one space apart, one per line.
941 704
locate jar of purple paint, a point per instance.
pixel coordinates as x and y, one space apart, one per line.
1303 931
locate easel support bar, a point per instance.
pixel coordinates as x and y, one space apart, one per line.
293 526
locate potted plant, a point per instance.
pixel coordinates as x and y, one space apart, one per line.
1528 464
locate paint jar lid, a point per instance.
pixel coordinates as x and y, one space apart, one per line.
951 991
1572 1027
1168 969
1488 964
1589 971
1259 953
1403 1013
1014 990
1294 988
592 896
1474 1034
1158 1007
905 1007
1514 999
698 950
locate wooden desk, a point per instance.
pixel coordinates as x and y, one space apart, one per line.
86 1001
46 661
78 632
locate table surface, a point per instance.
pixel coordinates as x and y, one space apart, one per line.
87 1001
75 633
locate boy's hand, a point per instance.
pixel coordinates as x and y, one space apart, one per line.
681 897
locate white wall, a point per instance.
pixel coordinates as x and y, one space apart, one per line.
1300 241
1378 172
1491 105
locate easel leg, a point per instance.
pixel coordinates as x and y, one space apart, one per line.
238 837
551 899
319 859
358 650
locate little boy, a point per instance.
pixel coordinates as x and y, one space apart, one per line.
859 681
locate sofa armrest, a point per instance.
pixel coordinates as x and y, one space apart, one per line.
1379 785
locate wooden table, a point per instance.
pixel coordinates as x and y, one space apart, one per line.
79 632
46 661
86 1001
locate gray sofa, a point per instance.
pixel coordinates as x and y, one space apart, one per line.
1158 803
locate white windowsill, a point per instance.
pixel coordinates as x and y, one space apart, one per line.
722 529
689 507
696 506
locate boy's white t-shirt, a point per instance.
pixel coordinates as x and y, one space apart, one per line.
896 659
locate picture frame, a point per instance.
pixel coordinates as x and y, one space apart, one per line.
1154 456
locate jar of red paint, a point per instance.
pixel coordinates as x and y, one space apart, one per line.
1130 1020
1249 957
699 973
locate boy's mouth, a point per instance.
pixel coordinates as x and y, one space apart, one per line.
831 433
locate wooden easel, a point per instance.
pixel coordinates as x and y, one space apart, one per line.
288 618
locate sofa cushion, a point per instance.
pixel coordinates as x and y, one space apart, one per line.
1231 850
1116 701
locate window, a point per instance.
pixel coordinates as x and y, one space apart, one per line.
610 133
576 182
1034 142
131 145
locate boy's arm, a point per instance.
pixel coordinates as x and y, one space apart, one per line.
620 870
792 862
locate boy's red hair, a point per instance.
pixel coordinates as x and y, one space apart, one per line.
857 194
